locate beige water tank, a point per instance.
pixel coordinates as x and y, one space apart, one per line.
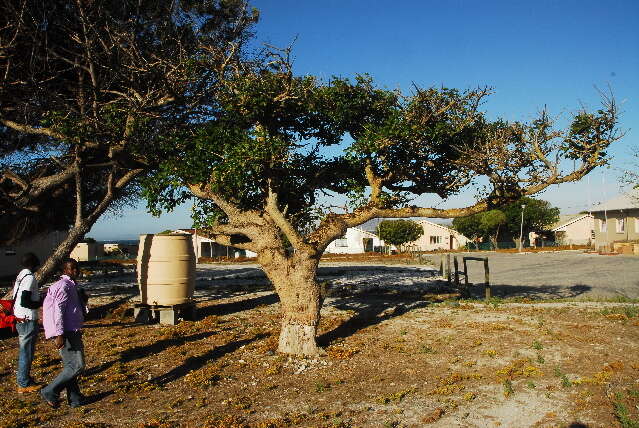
166 269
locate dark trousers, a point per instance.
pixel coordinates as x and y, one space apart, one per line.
72 354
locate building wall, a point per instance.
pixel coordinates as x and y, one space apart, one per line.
605 238
42 246
353 242
578 232
438 237
204 247
86 251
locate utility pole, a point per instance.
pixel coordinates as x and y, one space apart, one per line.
521 229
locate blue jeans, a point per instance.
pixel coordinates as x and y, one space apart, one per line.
27 337
72 354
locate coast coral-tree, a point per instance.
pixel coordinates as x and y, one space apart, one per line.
278 143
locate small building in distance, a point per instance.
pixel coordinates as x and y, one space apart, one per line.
120 249
437 237
86 251
41 245
364 238
617 220
574 229
207 247
356 240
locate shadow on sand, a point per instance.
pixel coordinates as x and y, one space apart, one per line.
534 292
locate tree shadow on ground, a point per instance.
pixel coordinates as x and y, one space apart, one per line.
195 363
190 364
233 307
99 312
139 352
532 291
370 310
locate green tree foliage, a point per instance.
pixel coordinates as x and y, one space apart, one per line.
538 215
485 225
399 232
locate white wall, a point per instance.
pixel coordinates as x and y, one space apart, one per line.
353 242
440 233
577 232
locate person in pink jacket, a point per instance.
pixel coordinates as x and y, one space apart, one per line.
63 318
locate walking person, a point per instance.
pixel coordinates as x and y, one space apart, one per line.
25 308
63 316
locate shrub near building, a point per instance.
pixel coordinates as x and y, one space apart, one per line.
399 232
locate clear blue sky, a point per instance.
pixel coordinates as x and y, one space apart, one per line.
534 53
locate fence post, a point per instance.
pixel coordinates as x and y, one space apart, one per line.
441 266
487 279
456 266
466 292
448 278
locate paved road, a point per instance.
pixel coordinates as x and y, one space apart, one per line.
557 274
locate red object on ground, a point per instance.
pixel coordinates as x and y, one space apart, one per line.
7 321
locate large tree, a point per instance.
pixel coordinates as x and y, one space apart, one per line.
278 142
85 86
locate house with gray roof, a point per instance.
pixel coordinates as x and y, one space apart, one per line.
617 220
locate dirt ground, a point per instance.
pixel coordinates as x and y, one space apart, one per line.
408 356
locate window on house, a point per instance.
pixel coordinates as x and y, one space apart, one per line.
621 225
604 226
341 242
435 239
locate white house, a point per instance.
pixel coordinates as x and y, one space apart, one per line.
41 245
576 229
207 247
437 237
356 240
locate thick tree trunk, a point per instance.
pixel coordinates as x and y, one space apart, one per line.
295 281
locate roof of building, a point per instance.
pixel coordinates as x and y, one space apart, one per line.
371 225
625 201
366 232
191 231
568 219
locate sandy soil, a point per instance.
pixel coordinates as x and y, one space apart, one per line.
400 351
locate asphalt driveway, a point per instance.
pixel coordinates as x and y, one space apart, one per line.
556 274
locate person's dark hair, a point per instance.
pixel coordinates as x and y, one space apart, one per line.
30 261
69 261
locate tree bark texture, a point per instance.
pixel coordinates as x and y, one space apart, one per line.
295 281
